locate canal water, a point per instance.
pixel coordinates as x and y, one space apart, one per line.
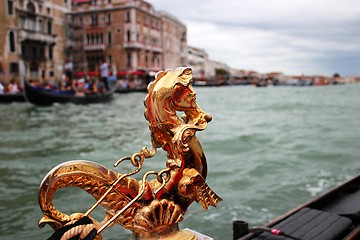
268 150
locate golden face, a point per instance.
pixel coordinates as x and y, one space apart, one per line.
184 97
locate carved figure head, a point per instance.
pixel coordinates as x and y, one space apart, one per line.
171 92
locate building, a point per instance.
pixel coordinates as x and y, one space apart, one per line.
205 70
39 36
197 59
174 42
33 42
129 35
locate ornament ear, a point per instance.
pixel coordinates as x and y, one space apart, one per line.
184 75
184 71
159 75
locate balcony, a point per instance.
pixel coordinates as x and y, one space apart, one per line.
75 25
154 48
70 44
94 47
37 36
133 45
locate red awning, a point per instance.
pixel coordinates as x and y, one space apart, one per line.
121 73
137 72
93 74
81 1
79 74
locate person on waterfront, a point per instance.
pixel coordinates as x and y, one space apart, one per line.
2 88
90 87
69 74
100 86
14 87
112 80
80 87
104 73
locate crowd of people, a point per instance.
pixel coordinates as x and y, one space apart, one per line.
13 87
81 85
85 84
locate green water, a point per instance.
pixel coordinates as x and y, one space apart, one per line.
268 150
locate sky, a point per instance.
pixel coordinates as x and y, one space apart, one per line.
291 36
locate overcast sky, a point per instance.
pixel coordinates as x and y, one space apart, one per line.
290 36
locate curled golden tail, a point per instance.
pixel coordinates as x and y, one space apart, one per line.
95 179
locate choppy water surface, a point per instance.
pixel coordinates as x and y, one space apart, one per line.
268 150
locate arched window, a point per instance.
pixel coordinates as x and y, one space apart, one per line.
31 17
30 8
12 41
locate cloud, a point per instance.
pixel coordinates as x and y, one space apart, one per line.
298 36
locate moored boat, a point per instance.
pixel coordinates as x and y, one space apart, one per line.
334 215
42 96
8 98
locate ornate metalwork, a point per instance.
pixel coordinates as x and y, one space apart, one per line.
148 208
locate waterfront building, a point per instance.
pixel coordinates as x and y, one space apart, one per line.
205 69
217 72
126 34
33 40
129 35
197 58
174 42
40 36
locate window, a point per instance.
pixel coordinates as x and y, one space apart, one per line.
14 67
22 20
49 27
41 27
50 52
30 22
109 38
94 19
127 17
12 41
128 35
30 7
108 20
128 60
10 7
145 21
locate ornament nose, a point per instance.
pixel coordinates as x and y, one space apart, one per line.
208 117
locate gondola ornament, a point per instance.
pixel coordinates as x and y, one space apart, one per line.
151 209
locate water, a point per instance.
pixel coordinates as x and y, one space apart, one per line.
268 150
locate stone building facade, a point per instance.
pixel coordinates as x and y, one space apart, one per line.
174 42
40 35
129 35
33 40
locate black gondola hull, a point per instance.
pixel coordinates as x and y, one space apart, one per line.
40 96
334 215
8 98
